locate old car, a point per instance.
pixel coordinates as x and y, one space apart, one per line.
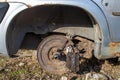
73 30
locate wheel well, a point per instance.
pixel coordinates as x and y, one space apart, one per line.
48 19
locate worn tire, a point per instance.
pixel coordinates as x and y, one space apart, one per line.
43 54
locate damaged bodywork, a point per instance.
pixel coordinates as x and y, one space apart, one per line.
73 31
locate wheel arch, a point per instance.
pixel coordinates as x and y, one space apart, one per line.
92 9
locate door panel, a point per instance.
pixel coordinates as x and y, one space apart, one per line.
112 14
113 6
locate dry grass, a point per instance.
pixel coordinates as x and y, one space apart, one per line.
26 67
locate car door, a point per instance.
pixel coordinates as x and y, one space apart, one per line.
113 6
112 12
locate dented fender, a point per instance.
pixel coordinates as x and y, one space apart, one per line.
91 8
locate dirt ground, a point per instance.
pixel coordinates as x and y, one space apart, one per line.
26 67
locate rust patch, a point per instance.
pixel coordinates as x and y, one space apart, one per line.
117 54
114 49
113 46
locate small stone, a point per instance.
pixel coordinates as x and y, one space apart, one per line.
6 70
118 78
21 64
63 78
96 76
100 76
2 59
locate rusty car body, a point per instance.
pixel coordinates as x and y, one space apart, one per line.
94 20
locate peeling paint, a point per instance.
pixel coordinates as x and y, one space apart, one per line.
114 49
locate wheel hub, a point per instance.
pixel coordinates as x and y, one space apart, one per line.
58 54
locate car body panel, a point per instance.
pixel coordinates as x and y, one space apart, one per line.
100 18
108 23
14 9
109 7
